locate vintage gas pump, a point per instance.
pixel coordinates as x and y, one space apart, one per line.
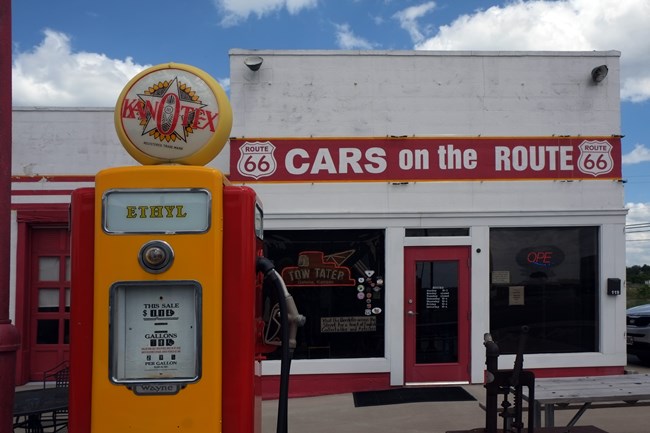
166 290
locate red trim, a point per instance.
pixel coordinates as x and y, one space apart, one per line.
310 385
33 192
42 212
324 384
53 178
47 179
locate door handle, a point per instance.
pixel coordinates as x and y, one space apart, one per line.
411 313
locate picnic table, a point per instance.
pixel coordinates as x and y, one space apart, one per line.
31 404
587 392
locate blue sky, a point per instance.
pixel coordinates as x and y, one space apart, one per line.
63 48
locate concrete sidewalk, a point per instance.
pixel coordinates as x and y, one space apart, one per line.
337 414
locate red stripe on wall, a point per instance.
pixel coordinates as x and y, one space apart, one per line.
311 385
324 384
53 178
32 192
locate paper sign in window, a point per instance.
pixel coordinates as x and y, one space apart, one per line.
516 295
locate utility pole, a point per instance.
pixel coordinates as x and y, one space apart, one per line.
9 338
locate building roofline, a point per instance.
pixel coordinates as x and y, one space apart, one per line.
424 53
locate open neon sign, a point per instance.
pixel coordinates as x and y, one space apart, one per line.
541 256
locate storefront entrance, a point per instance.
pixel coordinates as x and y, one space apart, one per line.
49 299
436 314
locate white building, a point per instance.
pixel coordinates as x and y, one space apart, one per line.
413 201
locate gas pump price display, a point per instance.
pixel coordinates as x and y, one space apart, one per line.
155 332
156 211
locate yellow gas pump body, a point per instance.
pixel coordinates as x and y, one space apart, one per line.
135 206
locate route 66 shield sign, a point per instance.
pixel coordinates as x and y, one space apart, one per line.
256 159
595 157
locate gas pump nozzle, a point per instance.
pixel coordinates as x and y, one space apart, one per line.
291 319
296 320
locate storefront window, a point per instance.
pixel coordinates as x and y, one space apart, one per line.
546 279
336 278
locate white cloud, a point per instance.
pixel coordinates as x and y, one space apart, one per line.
408 19
53 75
225 83
347 40
640 153
236 11
560 25
377 19
635 89
637 240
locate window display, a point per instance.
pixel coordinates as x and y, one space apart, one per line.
336 278
547 279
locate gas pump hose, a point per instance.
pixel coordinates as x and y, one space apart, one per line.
290 320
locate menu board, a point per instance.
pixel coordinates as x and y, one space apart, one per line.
437 298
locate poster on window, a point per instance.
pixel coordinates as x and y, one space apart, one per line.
336 278
516 295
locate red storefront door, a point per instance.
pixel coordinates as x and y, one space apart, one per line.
436 314
48 294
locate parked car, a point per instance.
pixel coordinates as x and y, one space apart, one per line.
638 332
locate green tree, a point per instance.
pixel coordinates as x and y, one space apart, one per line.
638 274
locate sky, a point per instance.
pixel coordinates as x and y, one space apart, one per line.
63 48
